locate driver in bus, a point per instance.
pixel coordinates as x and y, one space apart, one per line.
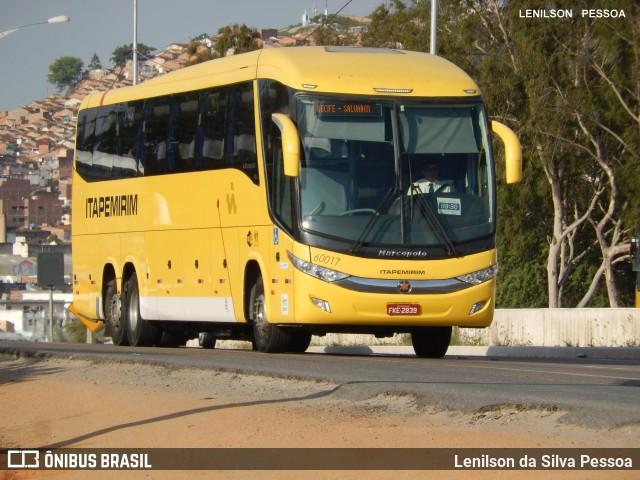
429 183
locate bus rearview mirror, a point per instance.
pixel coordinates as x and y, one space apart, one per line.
290 144
512 151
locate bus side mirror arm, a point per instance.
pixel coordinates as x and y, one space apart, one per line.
512 151
290 144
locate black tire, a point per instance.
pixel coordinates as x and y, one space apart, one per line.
432 342
299 342
268 338
140 332
171 339
206 340
115 324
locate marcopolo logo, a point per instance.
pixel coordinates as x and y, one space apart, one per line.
402 253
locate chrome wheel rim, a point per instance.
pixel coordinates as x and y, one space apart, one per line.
133 311
115 311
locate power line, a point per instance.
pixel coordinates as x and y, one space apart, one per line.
327 21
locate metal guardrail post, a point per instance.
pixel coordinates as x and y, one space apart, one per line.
635 265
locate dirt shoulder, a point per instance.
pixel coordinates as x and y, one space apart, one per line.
74 403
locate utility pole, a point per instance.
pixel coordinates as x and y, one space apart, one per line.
135 42
635 266
50 313
434 27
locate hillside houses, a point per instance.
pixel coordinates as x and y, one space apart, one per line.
37 144
37 140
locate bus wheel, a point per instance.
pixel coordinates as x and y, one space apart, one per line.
267 337
299 342
432 342
206 340
113 315
171 339
140 332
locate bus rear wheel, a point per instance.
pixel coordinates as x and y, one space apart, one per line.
140 332
432 342
115 327
267 338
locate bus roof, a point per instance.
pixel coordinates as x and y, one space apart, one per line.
348 70
367 71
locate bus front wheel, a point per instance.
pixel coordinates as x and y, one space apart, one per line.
300 341
267 337
432 342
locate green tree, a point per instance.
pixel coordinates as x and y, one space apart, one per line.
333 30
65 72
199 54
125 52
237 39
94 63
333 35
571 90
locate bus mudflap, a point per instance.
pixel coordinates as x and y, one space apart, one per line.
90 323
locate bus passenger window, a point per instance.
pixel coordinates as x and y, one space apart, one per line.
105 141
212 121
86 136
155 135
125 162
183 134
240 135
228 130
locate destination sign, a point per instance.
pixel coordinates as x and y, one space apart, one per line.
347 109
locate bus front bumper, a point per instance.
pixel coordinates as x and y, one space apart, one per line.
322 303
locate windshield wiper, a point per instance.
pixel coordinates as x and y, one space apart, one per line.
371 223
432 217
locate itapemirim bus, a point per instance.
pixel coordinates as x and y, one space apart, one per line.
273 195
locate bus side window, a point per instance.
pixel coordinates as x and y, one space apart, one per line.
86 136
105 142
280 189
125 160
156 126
183 134
274 98
212 120
240 134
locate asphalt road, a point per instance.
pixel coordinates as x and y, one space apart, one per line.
597 393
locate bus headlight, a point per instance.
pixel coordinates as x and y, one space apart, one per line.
481 276
323 273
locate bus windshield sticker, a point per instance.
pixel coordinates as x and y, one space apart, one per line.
449 206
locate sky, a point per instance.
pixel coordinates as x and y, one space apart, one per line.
100 26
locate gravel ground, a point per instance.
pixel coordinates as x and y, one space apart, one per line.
76 403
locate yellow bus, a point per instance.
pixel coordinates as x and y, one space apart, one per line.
279 194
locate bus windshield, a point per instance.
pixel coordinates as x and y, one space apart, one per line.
395 173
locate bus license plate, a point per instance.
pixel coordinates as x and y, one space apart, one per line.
403 309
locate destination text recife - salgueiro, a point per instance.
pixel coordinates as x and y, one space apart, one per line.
263 197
